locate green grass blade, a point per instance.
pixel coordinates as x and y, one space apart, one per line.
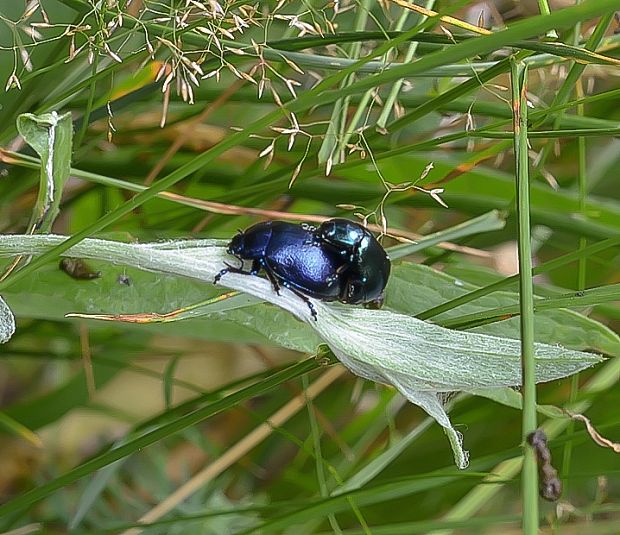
488 222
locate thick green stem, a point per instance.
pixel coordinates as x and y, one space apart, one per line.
526 295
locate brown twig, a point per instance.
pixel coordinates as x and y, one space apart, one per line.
87 360
231 209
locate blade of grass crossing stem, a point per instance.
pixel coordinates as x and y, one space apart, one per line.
433 104
593 296
526 294
556 263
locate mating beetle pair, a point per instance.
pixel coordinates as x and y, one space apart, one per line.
338 261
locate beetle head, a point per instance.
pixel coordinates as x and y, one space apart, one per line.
237 244
342 233
353 292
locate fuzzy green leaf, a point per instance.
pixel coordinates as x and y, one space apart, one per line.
422 360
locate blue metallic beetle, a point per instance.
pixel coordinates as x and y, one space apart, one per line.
368 265
338 261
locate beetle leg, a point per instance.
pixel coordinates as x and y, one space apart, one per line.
272 278
307 300
276 286
351 292
255 267
228 269
217 278
342 269
375 304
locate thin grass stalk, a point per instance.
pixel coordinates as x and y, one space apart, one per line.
572 77
543 6
89 106
583 193
526 294
411 51
581 284
337 129
315 433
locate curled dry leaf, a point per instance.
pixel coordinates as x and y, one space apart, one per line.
594 434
